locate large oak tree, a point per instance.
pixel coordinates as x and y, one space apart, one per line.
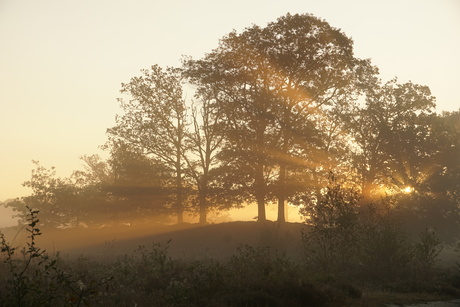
271 83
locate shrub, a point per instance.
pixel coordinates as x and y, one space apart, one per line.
426 252
385 250
35 278
332 243
366 245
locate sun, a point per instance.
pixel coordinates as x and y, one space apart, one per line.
408 190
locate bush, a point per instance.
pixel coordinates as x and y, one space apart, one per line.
385 250
331 245
426 251
35 279
253 276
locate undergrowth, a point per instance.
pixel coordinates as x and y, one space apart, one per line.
253 276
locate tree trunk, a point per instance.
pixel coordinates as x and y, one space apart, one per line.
260 192
282 171
259 180
367 185
203 204
203 213
282 193
179 207
261 217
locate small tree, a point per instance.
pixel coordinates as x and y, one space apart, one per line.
332 241
136 184
61 201
426 253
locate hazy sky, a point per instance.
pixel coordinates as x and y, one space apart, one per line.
62 61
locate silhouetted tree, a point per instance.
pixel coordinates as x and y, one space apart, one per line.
443 141
137 184
154 122
230 76
317 73
333 217
433 171
387 133
61 201
205 142
271 83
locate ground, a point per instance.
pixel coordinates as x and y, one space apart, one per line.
191 241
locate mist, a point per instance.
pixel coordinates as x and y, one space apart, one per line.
278 169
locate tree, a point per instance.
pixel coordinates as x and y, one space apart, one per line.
443 141
230 76
388 132
332 215
136 185
205 141
318 75
62 202
154 122
433 172
270 83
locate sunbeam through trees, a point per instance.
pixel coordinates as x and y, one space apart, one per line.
284 115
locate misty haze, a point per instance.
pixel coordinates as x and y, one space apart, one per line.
278 169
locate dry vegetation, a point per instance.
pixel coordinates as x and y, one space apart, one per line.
229 264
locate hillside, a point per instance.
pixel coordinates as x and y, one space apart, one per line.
186 240
240 277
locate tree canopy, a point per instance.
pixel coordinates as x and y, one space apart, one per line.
271 83
268 116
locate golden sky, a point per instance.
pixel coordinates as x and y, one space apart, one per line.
62 61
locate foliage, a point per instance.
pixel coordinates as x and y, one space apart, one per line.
137 184
36 279
62 202
332 243
154 122
365 242
270 83
252 276
388 132
276 108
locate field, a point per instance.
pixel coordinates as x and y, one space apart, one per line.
228 264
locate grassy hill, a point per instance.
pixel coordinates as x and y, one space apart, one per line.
218 241
227 264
